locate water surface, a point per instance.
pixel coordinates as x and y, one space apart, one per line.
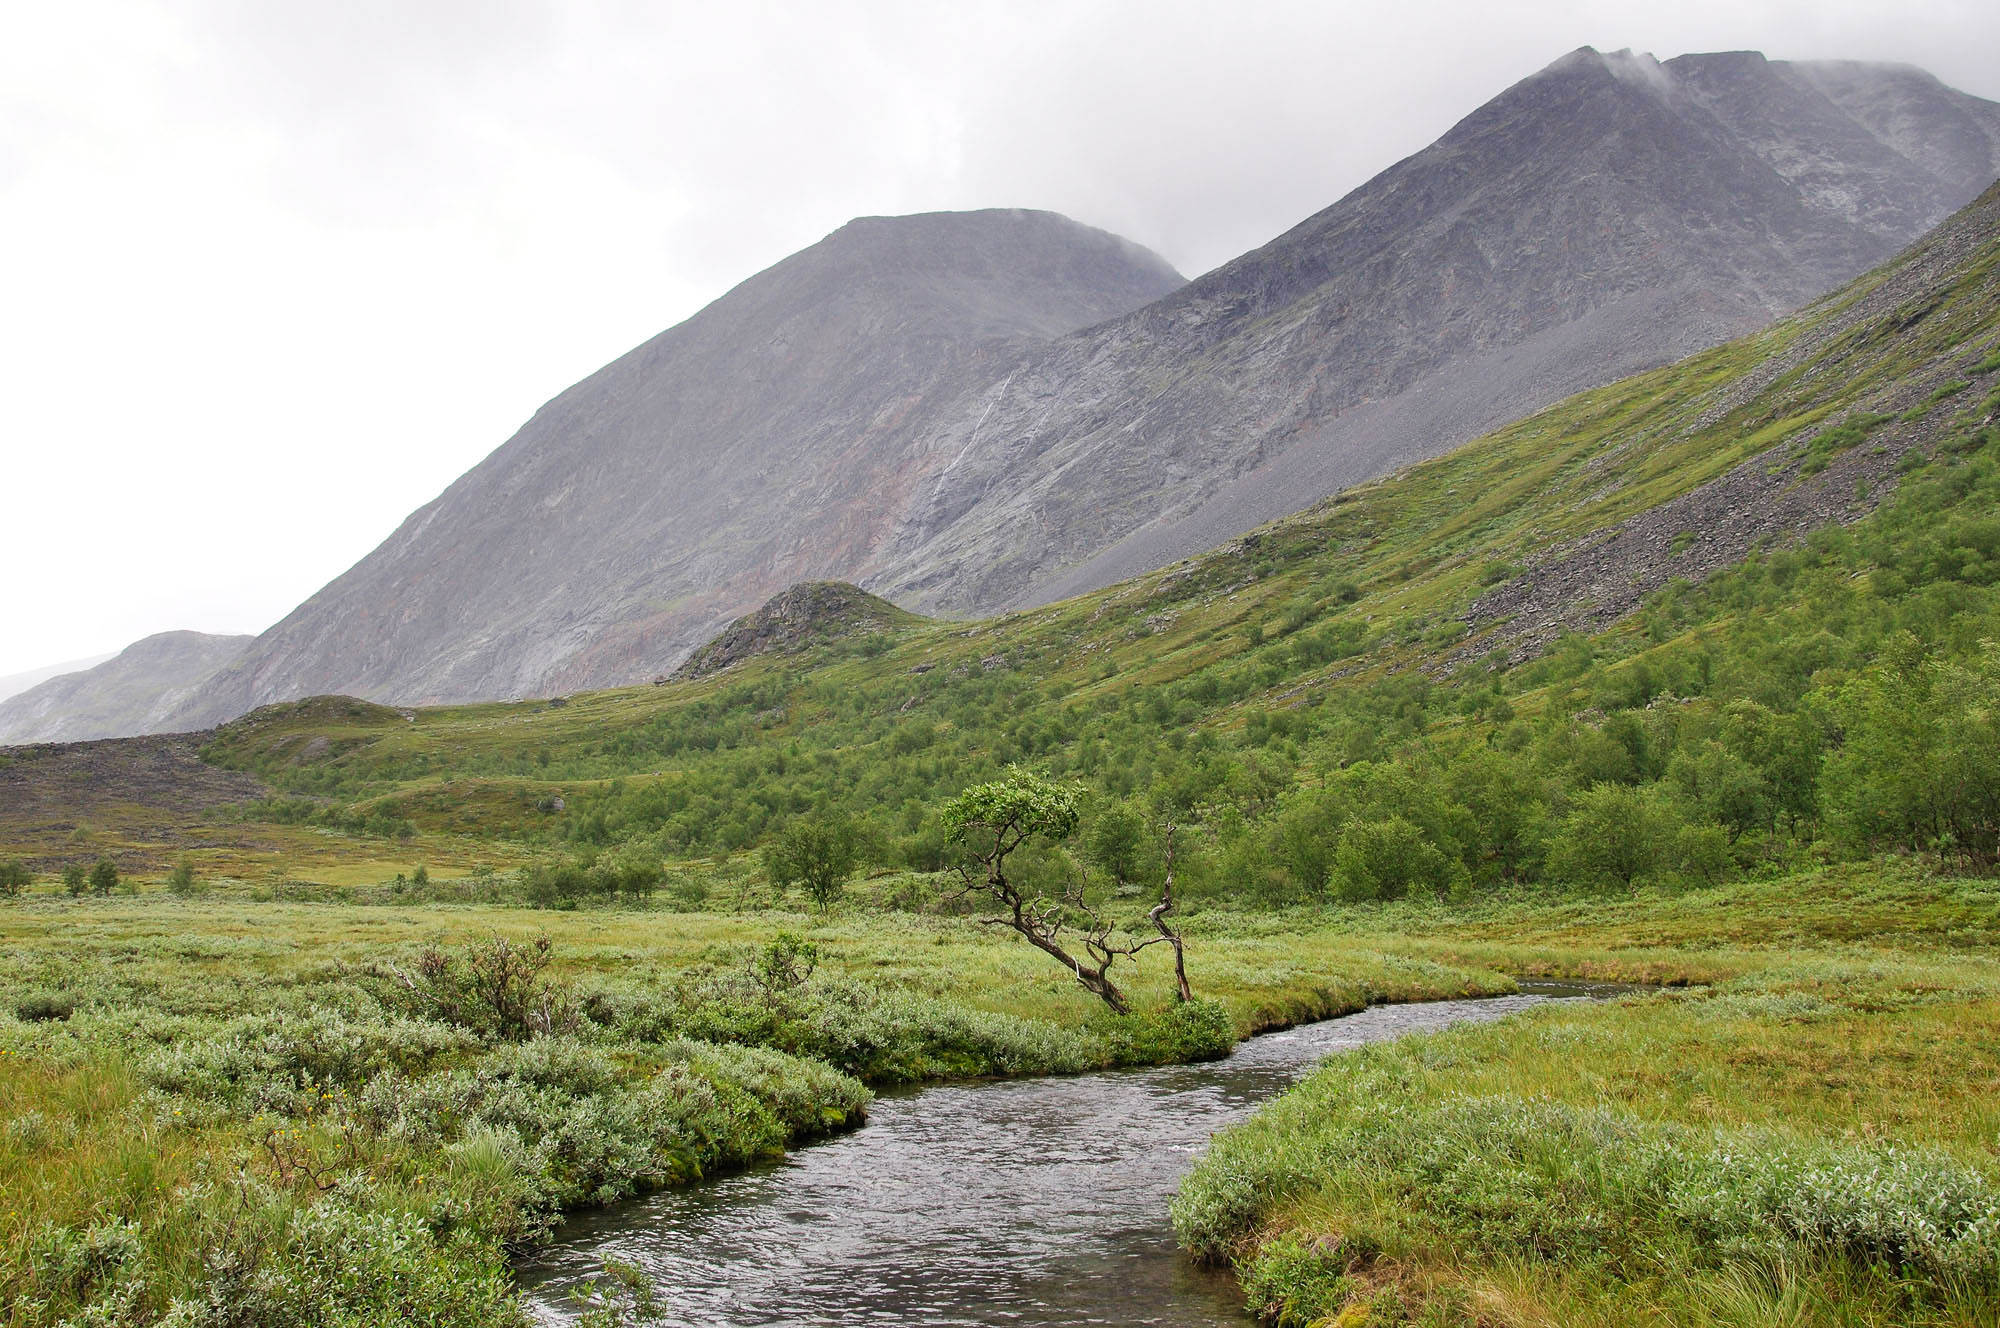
1022 1202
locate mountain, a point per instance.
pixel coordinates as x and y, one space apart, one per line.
1609 214
970 412
742 451
132 692
1745 540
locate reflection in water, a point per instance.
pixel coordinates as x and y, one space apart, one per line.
1021 1202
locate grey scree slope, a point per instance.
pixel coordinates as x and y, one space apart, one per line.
966 412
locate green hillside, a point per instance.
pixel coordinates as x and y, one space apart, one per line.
1680 604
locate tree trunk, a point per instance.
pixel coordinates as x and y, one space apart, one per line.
1159 916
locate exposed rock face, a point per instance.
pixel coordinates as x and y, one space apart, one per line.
135 691
937 407
810 613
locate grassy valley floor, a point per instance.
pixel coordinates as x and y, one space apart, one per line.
227 1109
245 1109
1810 1137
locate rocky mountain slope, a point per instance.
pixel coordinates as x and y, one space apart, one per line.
132 692
968 412
1607 215
16 683
756 445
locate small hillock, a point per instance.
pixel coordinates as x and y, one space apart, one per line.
808 614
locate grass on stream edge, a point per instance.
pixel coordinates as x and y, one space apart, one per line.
226 1110
1808 1139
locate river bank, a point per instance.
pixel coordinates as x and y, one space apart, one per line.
1037 1203
252 1111
1813 1138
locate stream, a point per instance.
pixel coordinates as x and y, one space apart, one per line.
1018 1202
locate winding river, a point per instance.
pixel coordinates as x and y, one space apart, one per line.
1022 1202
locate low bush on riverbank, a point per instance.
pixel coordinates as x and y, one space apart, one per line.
1812 1142
316 1168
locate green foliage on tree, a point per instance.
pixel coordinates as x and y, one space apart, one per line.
75 878
1920 766
1613 835
1115 842
631 872
996 818
181 879
817 852
14 877
1391 858
104 877
994 822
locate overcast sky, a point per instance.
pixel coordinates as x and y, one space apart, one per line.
274 272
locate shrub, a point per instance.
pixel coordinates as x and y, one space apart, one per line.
1545 1180
14 877
1196 1030
352 1258
494 988
104 877
44 1006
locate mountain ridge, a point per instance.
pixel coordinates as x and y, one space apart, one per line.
1607 214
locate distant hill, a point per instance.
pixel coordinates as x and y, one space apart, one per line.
132 692
16 683
970 411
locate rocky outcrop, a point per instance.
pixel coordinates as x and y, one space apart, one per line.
135 691
811 613
973 411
